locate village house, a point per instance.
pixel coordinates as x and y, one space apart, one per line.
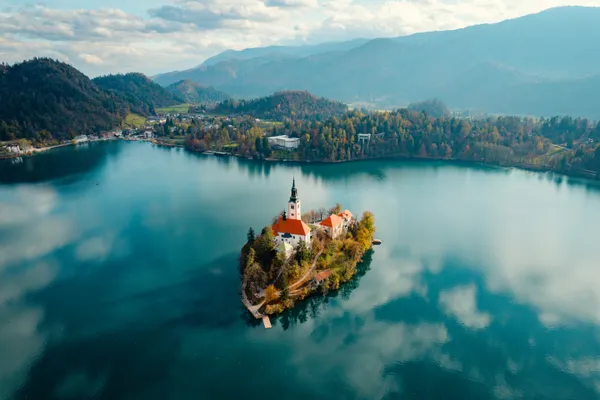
333 226
290 228
80 139
14 148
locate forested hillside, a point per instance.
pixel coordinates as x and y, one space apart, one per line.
282 105
192 92
42 98
139 91
561 144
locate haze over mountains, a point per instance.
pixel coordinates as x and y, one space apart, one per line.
541 64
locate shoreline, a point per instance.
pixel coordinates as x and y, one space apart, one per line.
36 150
591 175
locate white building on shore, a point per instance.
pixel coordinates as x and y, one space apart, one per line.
284 142
14 148
80 139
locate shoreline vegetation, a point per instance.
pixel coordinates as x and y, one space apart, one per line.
274 281
559 144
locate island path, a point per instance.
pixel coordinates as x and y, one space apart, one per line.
254 308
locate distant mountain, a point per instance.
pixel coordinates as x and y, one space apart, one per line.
44 99
192 92
139 90
219 74
547 58
228 65
281 51
281 105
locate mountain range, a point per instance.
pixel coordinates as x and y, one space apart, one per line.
541 64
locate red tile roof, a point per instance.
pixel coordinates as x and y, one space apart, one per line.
331 221
322 275
345 214
291 226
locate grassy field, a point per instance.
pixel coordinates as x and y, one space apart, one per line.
179 108
266 124
134 121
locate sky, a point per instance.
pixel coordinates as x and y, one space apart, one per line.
154 36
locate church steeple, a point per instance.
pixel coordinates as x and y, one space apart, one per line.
294 195
294 211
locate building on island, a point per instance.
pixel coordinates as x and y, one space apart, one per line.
290 228
347 217
285 248
284 142
333 225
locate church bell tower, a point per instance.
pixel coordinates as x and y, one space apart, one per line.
294 210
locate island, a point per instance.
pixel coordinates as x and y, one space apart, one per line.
301 254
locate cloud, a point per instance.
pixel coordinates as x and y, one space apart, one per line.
182 33
20 340
91 59
460 303
291 3
215 14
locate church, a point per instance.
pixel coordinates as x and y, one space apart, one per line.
290 229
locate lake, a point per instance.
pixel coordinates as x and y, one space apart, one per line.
119 280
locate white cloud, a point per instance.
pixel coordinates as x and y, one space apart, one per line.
181 33
20 340
95 248
460 303
91 59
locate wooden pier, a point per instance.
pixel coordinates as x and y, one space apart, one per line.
266 322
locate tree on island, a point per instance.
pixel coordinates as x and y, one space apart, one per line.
337 209
250 235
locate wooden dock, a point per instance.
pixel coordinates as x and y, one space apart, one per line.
266 322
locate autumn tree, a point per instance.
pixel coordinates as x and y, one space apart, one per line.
271 293
265 247
337 209
256 278
302 253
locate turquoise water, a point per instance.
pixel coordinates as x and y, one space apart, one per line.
119 280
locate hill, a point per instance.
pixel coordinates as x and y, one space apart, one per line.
288 104
192 92
44 99
139 91
482 67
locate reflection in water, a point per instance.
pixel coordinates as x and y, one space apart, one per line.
57 163
311 306
121 282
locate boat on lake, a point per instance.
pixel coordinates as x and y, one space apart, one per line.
376 242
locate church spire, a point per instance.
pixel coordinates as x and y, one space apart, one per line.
294 211
294 195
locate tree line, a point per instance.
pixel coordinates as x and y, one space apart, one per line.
562 144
